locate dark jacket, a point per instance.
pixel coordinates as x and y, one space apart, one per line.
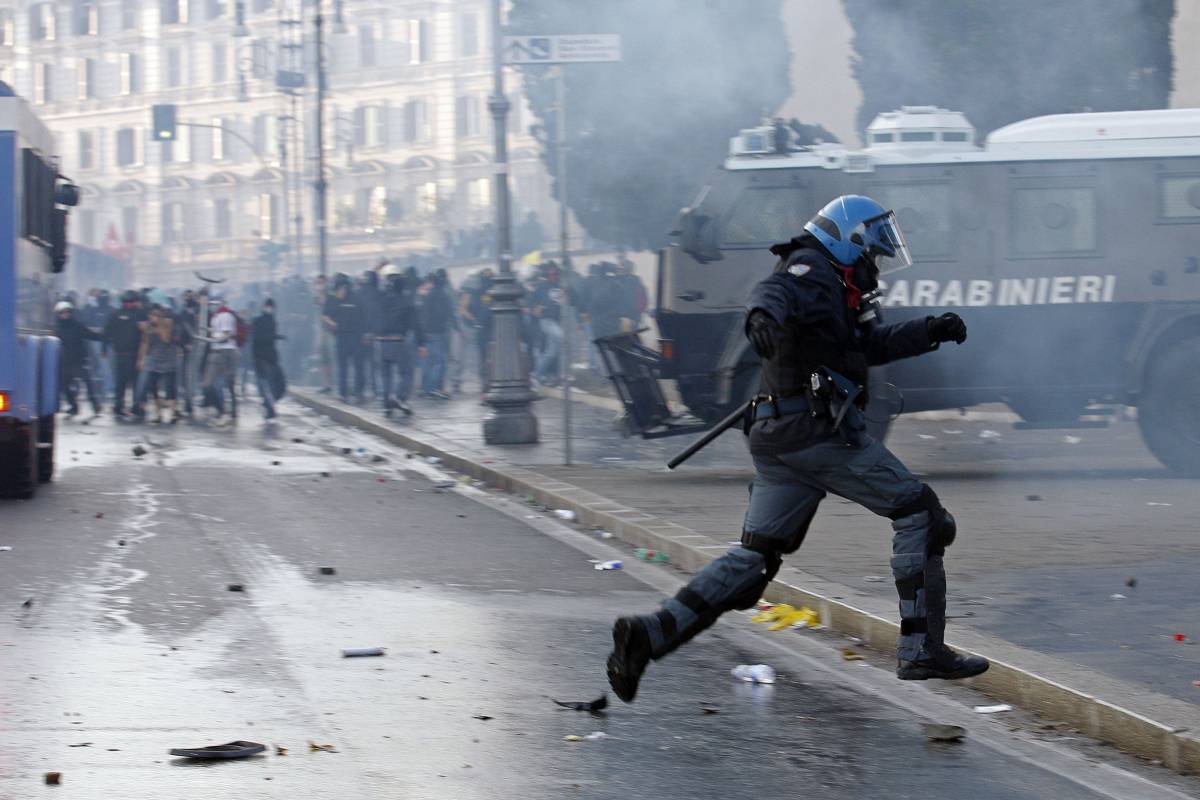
349 315
121 332
74 336
398 317
263 335
437 311
819 329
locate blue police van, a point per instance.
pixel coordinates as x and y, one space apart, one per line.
33 250
1070 244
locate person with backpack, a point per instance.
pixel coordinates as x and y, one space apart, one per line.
220 372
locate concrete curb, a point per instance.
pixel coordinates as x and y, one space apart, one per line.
1143 723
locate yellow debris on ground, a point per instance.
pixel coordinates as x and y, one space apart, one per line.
787 616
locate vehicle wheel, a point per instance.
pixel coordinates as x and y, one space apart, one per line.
45 455
18 464
1169 410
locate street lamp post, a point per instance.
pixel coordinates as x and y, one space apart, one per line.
321 185
511 421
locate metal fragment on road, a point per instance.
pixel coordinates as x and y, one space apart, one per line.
363 652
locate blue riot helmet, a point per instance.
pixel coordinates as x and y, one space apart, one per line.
852 227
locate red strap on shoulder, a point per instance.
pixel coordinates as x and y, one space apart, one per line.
853 293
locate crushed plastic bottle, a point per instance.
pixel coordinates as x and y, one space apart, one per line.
645 554
754 673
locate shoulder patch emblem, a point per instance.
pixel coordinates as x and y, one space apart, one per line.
798 269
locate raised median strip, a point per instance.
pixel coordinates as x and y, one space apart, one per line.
1130 717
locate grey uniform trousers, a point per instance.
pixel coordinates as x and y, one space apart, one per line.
784 497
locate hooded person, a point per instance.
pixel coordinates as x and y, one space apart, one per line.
123 336
399 331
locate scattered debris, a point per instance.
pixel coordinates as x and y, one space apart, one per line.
996 709
313 747
565 514
875 579
754 673
1033 497
327 570
297 440
461 516
602 534
644 554
81 744
591 706
1196 684
5 548
280 750
433 460
1117 596
1152 503
276 463
28 603
1179 637
346 451
710 710
236 587
237 749
53 778
1069 439
99 515
482 717
120 542
926 436
363 652
378 459
989 434
1131 582
446 484
139 451
324 474
608 565
951 432
936 732
572 738
787 616
597 735
850 655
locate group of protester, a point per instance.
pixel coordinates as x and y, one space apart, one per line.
388 333
150 346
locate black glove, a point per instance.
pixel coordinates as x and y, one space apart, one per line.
762 330
949 327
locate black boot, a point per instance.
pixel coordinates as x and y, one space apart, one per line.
941 662
630 655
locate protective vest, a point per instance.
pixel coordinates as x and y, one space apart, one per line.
819 330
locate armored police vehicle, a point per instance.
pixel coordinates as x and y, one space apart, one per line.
1069 243
33 248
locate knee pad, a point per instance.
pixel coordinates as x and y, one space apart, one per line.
942 527
767 549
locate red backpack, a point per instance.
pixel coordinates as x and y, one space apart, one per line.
243 331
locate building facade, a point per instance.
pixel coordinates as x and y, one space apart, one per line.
407 133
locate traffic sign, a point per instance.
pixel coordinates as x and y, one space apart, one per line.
575 48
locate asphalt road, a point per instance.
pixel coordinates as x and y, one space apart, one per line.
131 643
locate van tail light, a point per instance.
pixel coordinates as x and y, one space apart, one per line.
667 348
4 402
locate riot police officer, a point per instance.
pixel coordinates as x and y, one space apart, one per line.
817 330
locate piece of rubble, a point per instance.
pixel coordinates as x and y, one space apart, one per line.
363 652
996 709
327 570
53 778
235 587
139 451
313 747
565 514
591 706
238 749
937 732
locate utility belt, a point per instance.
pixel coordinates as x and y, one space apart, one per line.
828 394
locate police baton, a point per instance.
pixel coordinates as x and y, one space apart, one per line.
734 418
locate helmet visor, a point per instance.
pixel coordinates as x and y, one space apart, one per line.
888 244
